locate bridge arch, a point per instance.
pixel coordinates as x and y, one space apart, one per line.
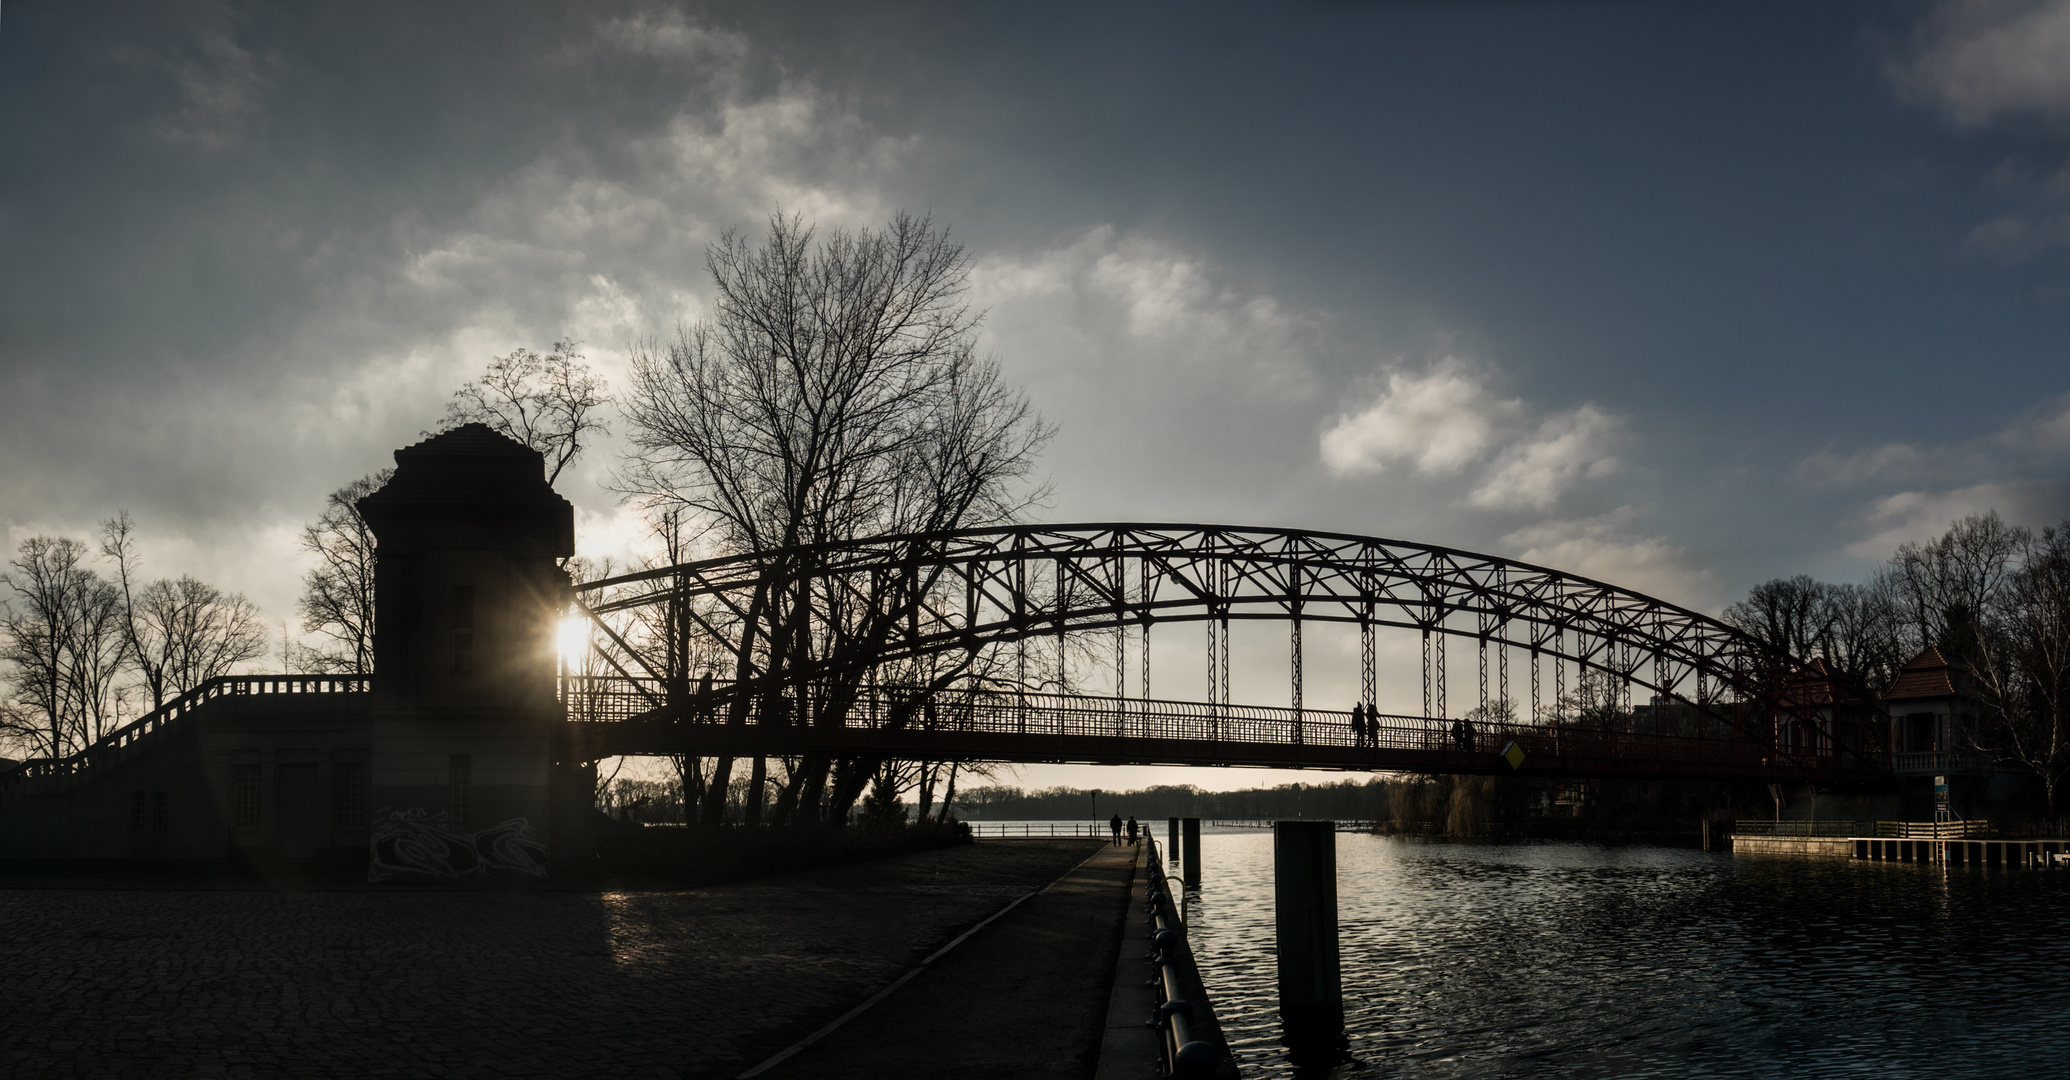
964 591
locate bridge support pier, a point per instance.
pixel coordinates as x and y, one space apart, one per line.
1311 983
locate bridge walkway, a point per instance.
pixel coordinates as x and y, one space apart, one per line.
613 717
1025 998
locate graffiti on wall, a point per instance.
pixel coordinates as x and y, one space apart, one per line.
417 843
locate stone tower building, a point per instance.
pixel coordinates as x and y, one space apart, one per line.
468 590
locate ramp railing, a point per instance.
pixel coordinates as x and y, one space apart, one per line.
38 776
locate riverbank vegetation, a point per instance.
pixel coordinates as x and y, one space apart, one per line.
1456 807
1993 597
1347 800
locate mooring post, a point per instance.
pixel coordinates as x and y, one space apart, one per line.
1190 857
1171 843
1311 984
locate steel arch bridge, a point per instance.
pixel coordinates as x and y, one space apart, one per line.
921 646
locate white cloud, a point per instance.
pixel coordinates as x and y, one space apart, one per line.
1993 63
1947 481
1169 293
560 248
1141 301
1441 419
669 35
1983 60
1534 473
2045 430
1913 516
1446 419
2040 435
1607 548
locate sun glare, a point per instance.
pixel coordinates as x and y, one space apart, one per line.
571 637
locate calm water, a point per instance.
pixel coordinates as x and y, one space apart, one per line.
1575 960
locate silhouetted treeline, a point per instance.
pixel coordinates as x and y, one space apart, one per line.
1457 807
1655 811
1460 807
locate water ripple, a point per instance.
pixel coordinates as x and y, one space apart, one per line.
1575 960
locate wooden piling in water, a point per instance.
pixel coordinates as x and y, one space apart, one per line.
1311 981
1190 855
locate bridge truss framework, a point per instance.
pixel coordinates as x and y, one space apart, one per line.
1004 591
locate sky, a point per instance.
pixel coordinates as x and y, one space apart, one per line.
1683 297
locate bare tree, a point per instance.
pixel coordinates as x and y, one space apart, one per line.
179 633
1595 704
21 730
1790 615
1865 640
2020 666
61 635
1858 629
548 402
1945 584
837 392
338 594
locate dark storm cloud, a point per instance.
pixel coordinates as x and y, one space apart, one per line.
1642 265
251 248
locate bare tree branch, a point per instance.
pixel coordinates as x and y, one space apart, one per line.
180 633
338 594
836 392
61 636
546 402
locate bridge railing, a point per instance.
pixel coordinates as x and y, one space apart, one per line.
46 774
1069 715
1901 830
1005 829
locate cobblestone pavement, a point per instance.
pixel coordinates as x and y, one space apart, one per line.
693 983
1023 999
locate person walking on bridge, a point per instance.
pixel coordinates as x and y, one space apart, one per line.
1114 826
1132 830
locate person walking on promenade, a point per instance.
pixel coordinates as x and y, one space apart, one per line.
1114 826
1132 830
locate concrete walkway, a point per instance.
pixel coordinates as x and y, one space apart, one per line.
1024 998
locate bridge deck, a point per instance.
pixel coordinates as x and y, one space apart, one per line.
1109 731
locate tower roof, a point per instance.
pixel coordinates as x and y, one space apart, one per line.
469 440
1927 675
478 474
